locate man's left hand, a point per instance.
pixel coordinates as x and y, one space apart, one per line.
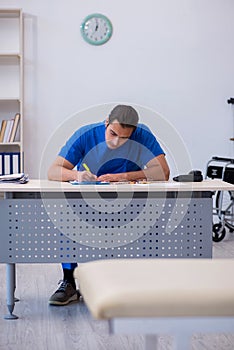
112 177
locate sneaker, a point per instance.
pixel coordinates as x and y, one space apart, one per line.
64 294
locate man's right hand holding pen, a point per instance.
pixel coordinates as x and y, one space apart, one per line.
86 175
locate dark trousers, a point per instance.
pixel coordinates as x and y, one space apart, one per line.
69 266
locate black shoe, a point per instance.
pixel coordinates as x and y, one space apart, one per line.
64 294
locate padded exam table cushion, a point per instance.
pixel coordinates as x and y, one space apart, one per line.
157 287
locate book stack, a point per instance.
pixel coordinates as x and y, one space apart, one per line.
9 129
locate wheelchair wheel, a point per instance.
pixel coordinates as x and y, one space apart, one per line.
218 232
226 204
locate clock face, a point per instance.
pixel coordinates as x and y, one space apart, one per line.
96 29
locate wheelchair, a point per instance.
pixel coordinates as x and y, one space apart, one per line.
223 210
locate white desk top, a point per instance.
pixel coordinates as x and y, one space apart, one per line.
157 186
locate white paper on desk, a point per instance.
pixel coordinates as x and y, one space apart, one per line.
21 178
11 176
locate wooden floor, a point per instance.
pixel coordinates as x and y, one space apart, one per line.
43 327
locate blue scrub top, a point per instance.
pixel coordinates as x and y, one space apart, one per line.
88 145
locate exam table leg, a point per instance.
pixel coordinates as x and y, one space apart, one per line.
182 341
151 342
10 291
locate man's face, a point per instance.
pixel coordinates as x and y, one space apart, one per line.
116 135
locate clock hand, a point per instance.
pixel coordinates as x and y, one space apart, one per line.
96 28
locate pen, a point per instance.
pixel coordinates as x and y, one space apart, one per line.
86 167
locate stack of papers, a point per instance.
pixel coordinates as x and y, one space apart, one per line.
20 178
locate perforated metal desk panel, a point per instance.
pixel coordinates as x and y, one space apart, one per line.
46 221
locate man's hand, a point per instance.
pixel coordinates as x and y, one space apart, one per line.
112 177
85 176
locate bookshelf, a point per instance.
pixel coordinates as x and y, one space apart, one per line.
11 89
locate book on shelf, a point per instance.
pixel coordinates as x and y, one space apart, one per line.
14 127
9 163
9 129
2 131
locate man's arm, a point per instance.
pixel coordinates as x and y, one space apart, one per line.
62 170
157 169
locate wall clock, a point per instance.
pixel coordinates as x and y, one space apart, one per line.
96 29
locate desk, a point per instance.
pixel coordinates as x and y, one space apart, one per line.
52 222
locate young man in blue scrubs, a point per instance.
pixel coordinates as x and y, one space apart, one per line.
118 149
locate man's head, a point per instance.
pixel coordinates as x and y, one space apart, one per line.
120 124
126 116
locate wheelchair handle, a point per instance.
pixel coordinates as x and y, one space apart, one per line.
221 159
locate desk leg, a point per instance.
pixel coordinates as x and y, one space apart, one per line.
10 290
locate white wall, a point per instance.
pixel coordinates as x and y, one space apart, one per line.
174 57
